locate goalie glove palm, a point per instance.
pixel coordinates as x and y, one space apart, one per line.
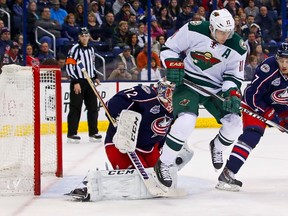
125 138
232 100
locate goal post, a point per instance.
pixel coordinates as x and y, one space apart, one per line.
30 127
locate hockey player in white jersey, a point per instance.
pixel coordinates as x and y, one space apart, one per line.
214 59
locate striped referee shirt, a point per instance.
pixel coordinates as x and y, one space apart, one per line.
87 56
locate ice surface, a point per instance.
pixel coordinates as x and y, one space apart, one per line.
264 191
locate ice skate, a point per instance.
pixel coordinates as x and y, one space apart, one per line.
216 156
73 139
80 194
227 181
163 174
95 138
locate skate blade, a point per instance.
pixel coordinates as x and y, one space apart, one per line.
227 187
73 141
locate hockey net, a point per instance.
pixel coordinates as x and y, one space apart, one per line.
30 127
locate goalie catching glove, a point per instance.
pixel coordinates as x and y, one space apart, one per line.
232 100
125 138
175 70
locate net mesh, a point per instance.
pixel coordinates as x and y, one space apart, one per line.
17 127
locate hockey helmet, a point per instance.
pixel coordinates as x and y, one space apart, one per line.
283 50
164 90
221 20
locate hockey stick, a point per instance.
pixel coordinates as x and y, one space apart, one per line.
152 186
255 115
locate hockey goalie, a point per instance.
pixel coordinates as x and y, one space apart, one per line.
143 115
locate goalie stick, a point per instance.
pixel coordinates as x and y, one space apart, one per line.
253 114
152 186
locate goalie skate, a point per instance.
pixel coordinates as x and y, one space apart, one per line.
79 194
228 182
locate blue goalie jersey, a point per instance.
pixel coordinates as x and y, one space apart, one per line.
156 120
268 88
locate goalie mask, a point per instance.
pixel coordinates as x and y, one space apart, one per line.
164 90
223 21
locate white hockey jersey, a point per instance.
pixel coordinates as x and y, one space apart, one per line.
207 63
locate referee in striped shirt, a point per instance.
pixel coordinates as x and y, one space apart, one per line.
80 90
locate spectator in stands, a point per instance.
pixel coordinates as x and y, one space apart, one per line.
68 6
132 23
44 52
52 26
120 37
277 32
156 8
123 14
57 13
133 43
32 16
232 7
19 40
142 58
158 44
156 30
250 68
266 24
2 24
251 9
202 12
4 7
70 29
61 59
108 29
104 8
237 28
31 60
117 5
94 7
174 9
274 6
142 35
79 14
251 43
93 27
5 40
165 21
257 30
259 53
246 28
17 17
120 73
137 7
155 72
129 62
185 16
43 3
210 7
12 55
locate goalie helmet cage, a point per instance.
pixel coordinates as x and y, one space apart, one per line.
30 127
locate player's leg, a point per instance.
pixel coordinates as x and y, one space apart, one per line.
90 101
73 118
231 128
247 141
185 104
117 159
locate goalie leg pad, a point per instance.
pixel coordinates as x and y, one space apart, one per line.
122 184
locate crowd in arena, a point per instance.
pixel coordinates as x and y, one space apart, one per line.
118 31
